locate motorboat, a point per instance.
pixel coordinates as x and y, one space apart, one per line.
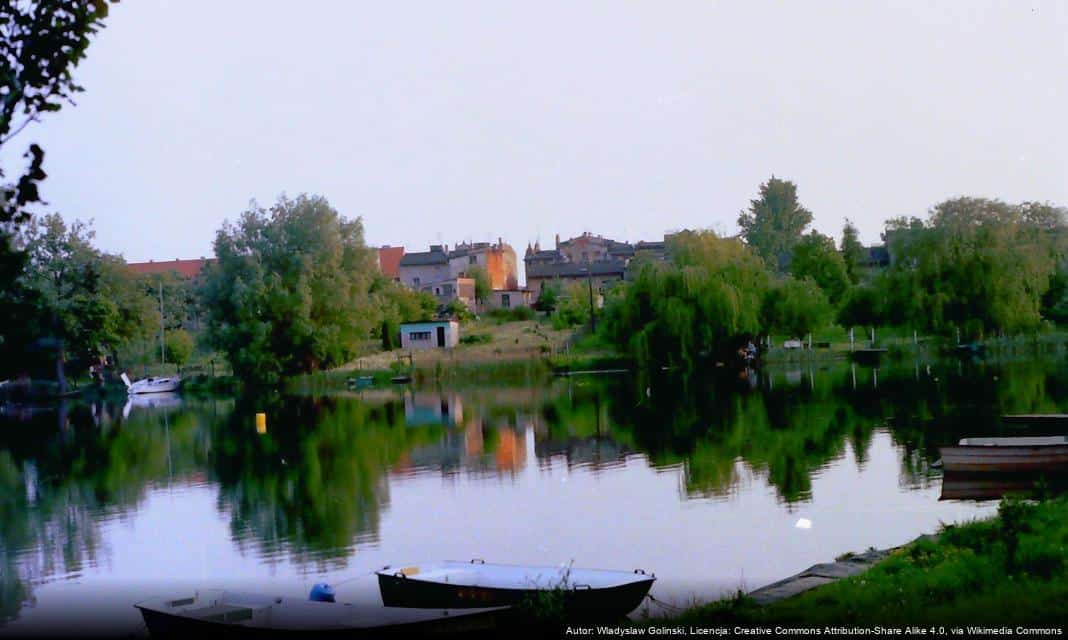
152 384
585 593
1037 453
234 613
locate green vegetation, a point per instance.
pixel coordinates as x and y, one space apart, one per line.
476 338
515 314
775 221
483 287
1004 571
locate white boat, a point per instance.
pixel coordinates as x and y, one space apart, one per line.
585 593
152 384
236 614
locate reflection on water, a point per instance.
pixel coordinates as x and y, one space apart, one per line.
702 482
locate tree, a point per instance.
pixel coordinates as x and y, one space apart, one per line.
290 290
548 298
87 302
179 346
816 257
976 264
796 307
699 304
852 251
573 307
40 44
774 222
483 288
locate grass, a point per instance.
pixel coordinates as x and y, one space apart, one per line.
1012 569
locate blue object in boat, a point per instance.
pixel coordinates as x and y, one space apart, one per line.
321 592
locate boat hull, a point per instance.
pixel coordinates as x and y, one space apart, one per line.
162 624
578 603
1003 459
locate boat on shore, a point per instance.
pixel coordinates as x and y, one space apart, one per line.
962 485
152 384
232 613
1020 454
585 593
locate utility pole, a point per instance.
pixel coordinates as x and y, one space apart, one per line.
589 284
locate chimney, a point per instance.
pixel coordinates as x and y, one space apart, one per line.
558 241
500 241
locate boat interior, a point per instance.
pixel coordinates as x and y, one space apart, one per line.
503 576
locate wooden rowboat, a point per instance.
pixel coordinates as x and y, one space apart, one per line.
229 613
584 593
1046 453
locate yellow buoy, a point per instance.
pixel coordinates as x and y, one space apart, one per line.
261 423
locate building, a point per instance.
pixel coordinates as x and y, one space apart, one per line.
510 298
389 259
190 269
603 274
422 268
587 257
446 274
443 334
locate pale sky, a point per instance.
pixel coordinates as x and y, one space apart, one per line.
449 121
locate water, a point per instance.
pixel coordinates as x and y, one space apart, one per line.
723 484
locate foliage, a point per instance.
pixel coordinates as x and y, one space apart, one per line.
796 307
179 346
976 264
816 257
775 221
86 302
515 314
476 338
458 310
852 251
483 288
395 303
701 303
548 298
290 291
573 307
862 306
40 44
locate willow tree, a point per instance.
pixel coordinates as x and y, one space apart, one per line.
700 304
289 292
976 264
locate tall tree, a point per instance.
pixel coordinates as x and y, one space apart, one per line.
40 44
88 303
289 292
774 222
483 288
852 251
816 257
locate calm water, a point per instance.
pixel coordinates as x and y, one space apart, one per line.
104 505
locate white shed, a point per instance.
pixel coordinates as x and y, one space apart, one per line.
443 334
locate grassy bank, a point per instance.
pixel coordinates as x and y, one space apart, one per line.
1011 569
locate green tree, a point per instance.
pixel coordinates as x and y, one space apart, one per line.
796 307
573 307
290 290
483 287
775 221
701 303
179 346
548 298
88 302
40 44
816 257
852 251
976 264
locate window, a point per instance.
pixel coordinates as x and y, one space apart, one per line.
419 335
415 282
472 260
505 301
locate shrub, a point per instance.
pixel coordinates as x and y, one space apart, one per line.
476 338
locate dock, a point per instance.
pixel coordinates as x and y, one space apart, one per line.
1037 419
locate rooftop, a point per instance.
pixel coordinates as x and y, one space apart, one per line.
184 268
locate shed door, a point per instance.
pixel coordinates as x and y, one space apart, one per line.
441 336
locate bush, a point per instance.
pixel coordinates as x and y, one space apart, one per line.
517 314
179 346
476 338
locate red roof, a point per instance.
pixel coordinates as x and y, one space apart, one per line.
389 260
186 268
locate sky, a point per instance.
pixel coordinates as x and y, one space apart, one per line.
452 121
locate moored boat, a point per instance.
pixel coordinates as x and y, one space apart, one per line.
585 593
152 384
247 614
1044 453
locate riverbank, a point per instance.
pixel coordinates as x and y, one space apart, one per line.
1011 569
